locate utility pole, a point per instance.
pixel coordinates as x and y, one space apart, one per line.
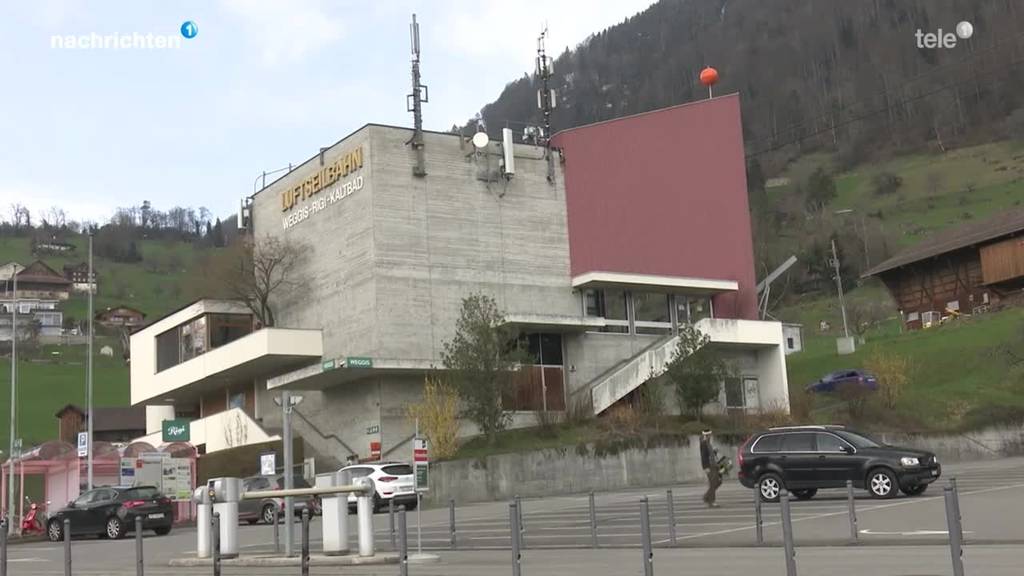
88 378
289 510
839 287
14 385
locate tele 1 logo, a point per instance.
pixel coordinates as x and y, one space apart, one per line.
940 39
189 29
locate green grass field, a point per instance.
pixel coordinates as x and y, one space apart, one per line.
55 378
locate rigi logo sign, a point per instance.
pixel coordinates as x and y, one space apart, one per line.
175 431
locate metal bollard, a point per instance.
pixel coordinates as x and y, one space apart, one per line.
645 537
277 533
305 542
593 521
215 542
953 523
3 547
391 521
758 515
451 520
522 527
139 567
67 547
787 535
956 506
671 517
513 517
403 544
852 509
364 512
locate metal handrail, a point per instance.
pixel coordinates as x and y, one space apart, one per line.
260 494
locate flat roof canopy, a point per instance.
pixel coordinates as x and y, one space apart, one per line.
554 323
330 373
670 283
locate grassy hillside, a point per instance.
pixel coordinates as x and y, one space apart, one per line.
156 285
57 377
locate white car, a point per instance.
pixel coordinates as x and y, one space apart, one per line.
392 480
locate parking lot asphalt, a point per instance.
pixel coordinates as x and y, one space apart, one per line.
558 529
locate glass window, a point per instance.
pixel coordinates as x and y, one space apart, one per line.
734 397
143 493
593 303
168 353
193 338
651 307
859 440
397 469
236 400
551 349
360 471
226 328
615 304
829 443
769 443
799 442
699 308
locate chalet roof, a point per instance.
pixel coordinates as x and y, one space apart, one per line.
112 418
111 309
38 272
1003 224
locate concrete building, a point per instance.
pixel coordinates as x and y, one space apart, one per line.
596 252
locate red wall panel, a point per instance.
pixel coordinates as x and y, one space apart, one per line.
663 192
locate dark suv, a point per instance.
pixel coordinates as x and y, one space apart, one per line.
803 459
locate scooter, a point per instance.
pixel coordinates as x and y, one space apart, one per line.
34 521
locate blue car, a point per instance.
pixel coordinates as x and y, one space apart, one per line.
835 380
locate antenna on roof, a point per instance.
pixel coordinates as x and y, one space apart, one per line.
414 102
546 100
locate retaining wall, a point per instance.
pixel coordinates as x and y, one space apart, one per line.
580 469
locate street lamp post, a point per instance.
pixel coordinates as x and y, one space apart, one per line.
14 386
88 380
287 403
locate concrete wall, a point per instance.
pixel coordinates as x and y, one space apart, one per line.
571 470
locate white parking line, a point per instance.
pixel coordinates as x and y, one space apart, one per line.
843 513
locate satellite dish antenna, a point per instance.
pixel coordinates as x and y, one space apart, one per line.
480 139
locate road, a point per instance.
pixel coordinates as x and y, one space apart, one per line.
899 537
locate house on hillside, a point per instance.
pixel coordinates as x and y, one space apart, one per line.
964 270
125 316
37 280
116 424
10 269
78 274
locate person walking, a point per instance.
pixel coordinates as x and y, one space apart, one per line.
709 461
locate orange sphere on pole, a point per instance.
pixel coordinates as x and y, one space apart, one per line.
709 76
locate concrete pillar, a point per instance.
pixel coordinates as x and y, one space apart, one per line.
155 416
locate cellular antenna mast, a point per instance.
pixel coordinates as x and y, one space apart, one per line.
546 100
414 102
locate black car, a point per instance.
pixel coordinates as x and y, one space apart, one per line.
804 459
110 512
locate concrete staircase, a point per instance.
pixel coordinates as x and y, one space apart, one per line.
628 375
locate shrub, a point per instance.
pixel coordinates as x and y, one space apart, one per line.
624 419
886 183
856 398
547 423
892 371
993 415
438 414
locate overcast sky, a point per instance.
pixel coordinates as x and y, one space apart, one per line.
262 84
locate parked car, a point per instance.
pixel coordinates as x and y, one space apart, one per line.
804 459
110 512
392 480
835 380
267 510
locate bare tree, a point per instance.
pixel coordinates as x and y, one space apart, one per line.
258 270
